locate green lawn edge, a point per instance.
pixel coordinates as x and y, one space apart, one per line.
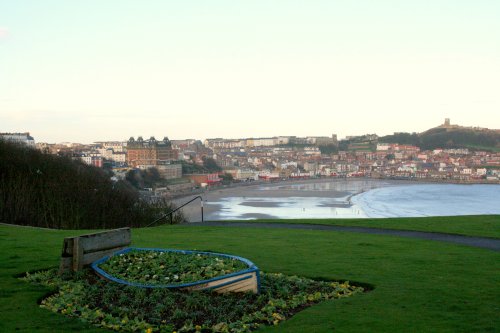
420 286
470 225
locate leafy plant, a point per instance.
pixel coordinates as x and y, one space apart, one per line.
133 309
169 268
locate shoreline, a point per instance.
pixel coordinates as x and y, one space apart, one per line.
296 198
340 192
329 179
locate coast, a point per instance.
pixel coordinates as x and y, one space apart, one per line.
337 191
342 198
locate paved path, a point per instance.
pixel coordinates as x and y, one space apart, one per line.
481 242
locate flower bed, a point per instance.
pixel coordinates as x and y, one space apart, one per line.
179 269
132 309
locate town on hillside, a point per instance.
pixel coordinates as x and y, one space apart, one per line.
178 167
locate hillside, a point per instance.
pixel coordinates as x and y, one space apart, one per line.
449 137
44 190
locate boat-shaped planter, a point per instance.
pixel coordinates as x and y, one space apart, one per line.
241 281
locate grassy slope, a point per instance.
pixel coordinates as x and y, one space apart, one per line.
486 148
23 249
477 225
421 286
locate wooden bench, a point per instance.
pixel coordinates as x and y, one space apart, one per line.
83 250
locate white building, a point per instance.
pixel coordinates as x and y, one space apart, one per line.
170 171
242 174
116 146
481 171
224 143
466 171
320 140
383 146
89 158
283 140
24 138
262 142
288 164
113 151
119 157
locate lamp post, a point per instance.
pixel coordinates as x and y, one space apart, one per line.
201 209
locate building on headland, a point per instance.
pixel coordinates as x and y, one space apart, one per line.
447 125
150 152
220 143
322 140
224 143
23 138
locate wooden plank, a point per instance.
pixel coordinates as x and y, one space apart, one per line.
249 284
67 247
77 255
222 281
99 241
102 232
106 240
83 250
240 286
65 264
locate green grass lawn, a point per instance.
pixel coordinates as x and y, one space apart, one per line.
475 225
420 286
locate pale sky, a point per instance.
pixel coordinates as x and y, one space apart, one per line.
85 71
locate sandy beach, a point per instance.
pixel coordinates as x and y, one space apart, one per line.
342 198
336 192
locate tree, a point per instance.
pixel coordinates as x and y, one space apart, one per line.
210 165
50 191
227 178
134 178
329 149
143 178
150 176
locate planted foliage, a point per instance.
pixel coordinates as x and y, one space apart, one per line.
133 309
169 268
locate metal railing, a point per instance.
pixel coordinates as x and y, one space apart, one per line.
170 213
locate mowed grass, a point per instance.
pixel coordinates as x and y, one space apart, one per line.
475 225
420 286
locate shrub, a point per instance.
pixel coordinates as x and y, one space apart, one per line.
43 190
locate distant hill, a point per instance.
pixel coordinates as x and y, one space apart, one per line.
49 191
449 136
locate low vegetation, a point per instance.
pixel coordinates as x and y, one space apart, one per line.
209 166
141 179
116 307
168 268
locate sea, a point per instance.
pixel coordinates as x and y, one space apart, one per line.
355 199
